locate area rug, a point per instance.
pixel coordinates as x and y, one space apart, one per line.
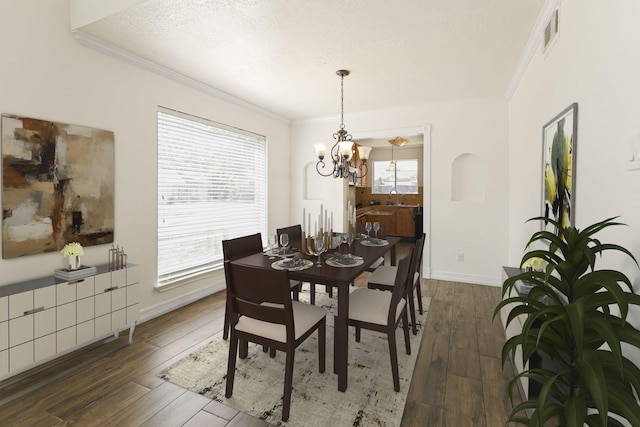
369 400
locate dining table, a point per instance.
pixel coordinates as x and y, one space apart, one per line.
339 277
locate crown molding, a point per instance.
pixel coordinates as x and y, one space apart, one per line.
532 45
126 56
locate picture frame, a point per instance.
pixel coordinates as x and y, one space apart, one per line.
559 140
57 185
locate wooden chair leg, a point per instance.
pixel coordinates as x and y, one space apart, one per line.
244 349
418 287
329 290
288 383
231 364
272 353
405 327
312 292
393 355
358 330
322 346
412 310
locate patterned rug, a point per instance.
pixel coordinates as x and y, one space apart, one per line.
369 400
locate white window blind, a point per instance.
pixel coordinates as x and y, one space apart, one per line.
211 187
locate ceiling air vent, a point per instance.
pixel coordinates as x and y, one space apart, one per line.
551 31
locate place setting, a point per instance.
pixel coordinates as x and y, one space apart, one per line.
282 251
367 240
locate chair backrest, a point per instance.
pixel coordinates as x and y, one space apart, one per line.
239 247
382 233
403 276
294 232
250 286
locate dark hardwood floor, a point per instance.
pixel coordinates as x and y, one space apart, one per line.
458 379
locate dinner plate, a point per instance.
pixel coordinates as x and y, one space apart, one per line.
374 242
278 252
292 265
340 262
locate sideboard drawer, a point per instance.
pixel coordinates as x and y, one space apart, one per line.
4 362
4 335
65 292
21 356
20 304
4 309
85 288
44 322
20 330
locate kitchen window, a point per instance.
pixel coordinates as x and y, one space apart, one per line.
398 175
212 184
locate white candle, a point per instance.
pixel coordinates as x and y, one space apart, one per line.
326 221
309 224
331 222
304 217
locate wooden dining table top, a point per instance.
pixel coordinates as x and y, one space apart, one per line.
326 274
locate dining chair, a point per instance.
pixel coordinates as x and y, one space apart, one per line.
264 313
383 311
233 249
382 234
295 235
383 278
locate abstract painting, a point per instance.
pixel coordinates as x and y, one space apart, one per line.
57 186
559 138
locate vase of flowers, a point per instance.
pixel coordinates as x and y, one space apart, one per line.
72 251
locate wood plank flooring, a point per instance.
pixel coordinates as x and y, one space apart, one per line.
458 380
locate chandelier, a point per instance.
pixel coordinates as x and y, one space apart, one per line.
342 150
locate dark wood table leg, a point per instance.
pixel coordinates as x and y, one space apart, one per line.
341 337
393 255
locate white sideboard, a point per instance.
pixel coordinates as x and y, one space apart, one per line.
44 318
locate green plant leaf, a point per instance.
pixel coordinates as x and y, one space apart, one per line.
591 372
575 411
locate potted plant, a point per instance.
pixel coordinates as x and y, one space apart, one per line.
577 315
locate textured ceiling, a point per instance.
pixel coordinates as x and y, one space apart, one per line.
281 55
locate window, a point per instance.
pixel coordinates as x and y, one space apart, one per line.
211 187
401 175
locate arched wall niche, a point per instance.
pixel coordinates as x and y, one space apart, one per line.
467 178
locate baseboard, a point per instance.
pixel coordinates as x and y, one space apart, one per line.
180 301
466 278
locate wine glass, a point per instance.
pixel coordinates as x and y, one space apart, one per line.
350 237
367 226
284 241
318 244
376 227
273 241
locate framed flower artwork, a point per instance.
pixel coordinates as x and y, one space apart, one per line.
559 138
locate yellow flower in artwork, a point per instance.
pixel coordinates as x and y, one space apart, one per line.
536 264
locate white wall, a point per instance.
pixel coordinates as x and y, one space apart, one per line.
478 127
595 63
46 74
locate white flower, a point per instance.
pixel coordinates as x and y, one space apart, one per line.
72 249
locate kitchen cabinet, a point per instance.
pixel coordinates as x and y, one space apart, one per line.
43 318
398 220
405 225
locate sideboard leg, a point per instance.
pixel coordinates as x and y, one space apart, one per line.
131 329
